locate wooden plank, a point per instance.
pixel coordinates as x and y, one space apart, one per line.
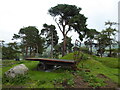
51 60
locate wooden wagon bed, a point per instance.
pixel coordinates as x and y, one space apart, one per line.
46 63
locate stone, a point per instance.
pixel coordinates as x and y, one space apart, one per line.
17 70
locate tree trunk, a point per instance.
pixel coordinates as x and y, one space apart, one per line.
109 46
110 50
99 47
64 46
91 47
26 51
101 53
52 45
34 50
30 51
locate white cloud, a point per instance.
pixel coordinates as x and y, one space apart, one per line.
14 14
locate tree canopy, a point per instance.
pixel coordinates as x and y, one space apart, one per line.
31 40
51 36
69 18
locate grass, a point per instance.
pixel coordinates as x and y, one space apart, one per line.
68 56
7 64
97 67
107 66
40 79
109 61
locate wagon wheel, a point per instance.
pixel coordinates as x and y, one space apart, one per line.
41 66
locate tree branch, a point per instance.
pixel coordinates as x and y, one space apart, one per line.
68 30
58 26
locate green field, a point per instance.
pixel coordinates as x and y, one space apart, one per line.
63 78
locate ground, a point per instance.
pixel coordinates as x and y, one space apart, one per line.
93 72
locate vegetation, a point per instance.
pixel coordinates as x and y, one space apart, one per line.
51 36
110 32
91 34
69 19
98 65
31 41
90 70
37 79
11 51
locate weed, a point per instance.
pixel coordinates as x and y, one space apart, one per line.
84 56
58 80
70 82
91 79
39 82
19 79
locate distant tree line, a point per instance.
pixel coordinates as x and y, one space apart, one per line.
67 18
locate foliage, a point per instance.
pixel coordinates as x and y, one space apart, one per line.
11 51
84 50
91 79
19 79
48 30
110 32
69 45
70 82
91 34
105 39
30 40
50 33
58 50
69 17
102 43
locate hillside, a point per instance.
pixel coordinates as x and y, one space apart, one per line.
92 72
106 66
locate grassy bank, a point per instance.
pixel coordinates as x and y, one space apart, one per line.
90 70
107 66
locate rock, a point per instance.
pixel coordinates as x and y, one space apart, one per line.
19 69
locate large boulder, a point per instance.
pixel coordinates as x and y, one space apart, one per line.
19 69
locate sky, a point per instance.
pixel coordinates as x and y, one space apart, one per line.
16 14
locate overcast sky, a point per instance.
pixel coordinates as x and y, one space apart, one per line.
15 14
